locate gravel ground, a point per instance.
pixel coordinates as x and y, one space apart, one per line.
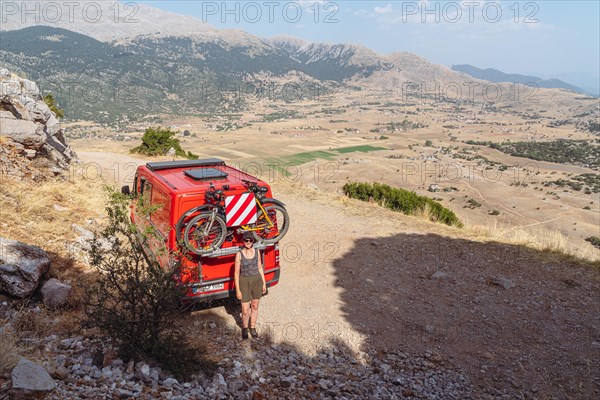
255 369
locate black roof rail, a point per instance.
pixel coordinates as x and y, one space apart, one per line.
162 165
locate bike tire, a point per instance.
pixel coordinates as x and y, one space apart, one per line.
200 243
187 216
270 235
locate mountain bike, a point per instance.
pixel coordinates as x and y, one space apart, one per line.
207 231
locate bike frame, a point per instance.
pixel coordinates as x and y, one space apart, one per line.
217 206
213 212
270 223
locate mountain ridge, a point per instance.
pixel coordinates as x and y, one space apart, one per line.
107 22
133 72
168 73
495 75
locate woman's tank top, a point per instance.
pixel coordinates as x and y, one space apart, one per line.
249 266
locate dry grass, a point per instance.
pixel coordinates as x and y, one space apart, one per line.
28 319
551 242
9 352
69 322
545 240
42 214
426 213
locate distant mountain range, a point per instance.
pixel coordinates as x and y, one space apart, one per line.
129 78
106 21
494 75
113 71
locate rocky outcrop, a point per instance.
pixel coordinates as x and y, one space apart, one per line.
31 138
55 293
21 267
30 381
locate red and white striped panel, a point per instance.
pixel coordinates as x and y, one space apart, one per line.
240 209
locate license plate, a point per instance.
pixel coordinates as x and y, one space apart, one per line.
208 288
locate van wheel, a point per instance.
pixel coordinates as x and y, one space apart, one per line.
203 234
271 234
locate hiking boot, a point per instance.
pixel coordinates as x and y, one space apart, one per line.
244 333
254 333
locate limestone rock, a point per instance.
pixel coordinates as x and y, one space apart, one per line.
27 121
30 381
438 275
500 281
21 267
55 293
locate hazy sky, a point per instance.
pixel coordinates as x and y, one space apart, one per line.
540 37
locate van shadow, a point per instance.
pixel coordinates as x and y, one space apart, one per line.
501 313
231 306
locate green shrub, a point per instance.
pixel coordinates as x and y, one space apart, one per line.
473 203
135 301
401 200
51 103
158 141
594 240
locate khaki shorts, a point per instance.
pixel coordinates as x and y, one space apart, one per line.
251 287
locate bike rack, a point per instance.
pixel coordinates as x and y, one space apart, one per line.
226 252
234 249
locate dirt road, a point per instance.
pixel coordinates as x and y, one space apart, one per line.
513 319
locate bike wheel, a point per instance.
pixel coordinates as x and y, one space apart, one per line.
281 220
199 239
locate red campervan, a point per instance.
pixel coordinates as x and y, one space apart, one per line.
180 189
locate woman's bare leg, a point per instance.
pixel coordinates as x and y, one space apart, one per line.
254 313
245 314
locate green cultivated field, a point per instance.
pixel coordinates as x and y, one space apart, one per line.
281 163
363 149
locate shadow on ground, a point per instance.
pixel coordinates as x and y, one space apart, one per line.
511 317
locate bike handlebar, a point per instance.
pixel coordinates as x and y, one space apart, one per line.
214 194
249 183
255 188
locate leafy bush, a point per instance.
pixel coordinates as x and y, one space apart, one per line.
473 203
401 200
51 103
134 300
594 240
158 141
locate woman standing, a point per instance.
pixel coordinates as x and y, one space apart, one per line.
250 283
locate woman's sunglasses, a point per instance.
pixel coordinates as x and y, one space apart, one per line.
248 240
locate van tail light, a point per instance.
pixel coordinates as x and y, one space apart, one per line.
277 255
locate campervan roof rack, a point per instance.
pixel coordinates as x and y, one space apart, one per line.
162 165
